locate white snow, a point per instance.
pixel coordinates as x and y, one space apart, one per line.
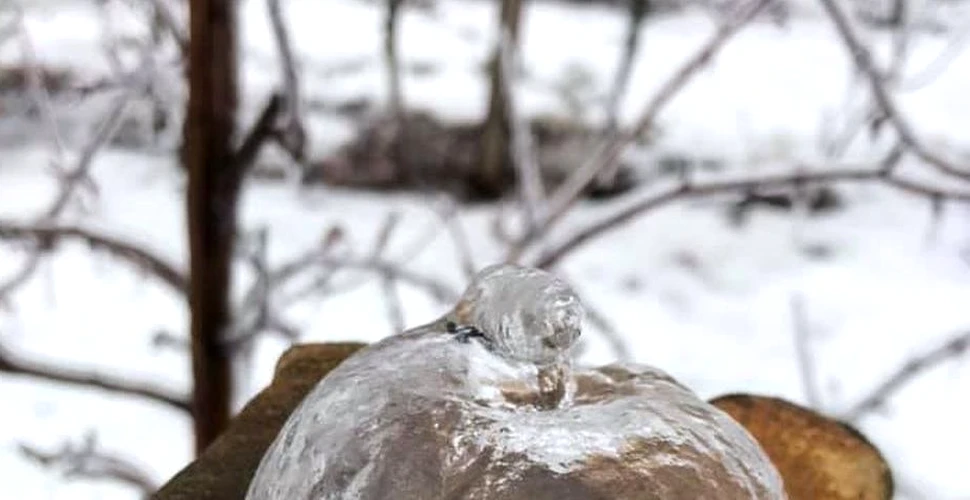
706 302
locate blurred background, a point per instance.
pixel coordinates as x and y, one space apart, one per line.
765 196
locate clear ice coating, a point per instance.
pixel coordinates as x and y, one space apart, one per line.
528 314
429 414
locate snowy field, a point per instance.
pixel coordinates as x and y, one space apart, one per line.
705 301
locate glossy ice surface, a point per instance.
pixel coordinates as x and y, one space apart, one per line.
424 415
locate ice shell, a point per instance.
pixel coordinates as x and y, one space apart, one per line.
423 416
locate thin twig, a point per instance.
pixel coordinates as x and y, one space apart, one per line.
19 278
862 57
567 194
85 461
955 346
392 61
635 17
495 141
256 313
292 268
258 260
806 360
11 363
523 153
621 79
38 89
80 174
606 328
392 301
384 234
47 236
450 216
602 323
293 134
902 35
262 131
696 190
439 290
269 282
936 67
165 17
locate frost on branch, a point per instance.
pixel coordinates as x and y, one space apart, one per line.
483 404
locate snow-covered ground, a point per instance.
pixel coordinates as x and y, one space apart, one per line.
705 301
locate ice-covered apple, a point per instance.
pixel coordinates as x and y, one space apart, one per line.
485 404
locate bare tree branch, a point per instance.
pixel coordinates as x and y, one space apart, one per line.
806 360
862 57
19 278
392 301
70 180
685 190
955 346
321 258
293 135
47 236
393 305
306 260
262 131
38 91
635 16
450 217
392 61
495 140
166 19
257 311
902 35
80 174
567 194
933 69
523 153
256 314
439 290
11 363
85 461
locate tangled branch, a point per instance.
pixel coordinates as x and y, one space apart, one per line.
687 189
603 160
86 461
79 175
862 57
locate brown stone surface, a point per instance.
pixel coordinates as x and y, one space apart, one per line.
818 457
224 470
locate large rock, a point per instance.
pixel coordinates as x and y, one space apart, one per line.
818 456
483 404
223 472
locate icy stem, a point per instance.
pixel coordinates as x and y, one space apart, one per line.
556 385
